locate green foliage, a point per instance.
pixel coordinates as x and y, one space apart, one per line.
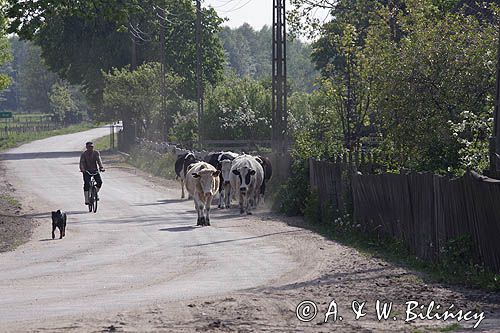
81 42
136 95
249 53
5 51
185 126
415 76
64 105
314 125
312 208
440 68
161 165
292 195
472 133
238 108
33 85
34 80
456 255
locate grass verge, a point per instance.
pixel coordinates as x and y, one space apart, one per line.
104 143
160 165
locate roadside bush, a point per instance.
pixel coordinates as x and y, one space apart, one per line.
292 195
161 165
312 208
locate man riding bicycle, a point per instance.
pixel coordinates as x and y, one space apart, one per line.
90 162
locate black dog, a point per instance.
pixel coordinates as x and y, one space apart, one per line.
59 221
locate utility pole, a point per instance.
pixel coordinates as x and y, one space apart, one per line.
163 72
199 72
496 116
279 86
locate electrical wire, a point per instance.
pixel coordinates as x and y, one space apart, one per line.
236 8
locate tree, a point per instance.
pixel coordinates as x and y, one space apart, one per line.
439 69
415 74
135 94
62 105
10 98
240 108
249 53
35 82
5 54
79 42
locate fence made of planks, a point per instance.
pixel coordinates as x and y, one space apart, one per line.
423 210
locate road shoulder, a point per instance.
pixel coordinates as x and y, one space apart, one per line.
15 228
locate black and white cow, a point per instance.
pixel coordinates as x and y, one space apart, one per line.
268 172
222 162
246 178
181 165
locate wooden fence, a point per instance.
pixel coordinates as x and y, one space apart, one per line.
9 129
425 211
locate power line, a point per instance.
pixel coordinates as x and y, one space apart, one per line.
236 8
225 3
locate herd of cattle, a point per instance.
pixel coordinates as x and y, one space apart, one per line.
228 174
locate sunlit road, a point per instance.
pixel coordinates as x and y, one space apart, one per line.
140 247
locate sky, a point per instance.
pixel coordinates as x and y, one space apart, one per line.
257 13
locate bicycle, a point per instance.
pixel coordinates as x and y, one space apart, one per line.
93 198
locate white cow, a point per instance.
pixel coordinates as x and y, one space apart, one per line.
202 183
246 179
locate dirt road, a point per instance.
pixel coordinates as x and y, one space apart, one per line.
139 264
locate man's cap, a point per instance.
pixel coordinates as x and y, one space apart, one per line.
90 143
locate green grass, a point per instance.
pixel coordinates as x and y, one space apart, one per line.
104 144
450 328
15 139
10 200
456 265
161 165
447 270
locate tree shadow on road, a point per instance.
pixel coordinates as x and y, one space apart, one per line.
179 229
49 214
160 202
40 155
244 238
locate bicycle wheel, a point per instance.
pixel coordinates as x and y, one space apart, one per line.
94 198
91 201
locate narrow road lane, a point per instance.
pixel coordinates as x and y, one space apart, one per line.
139 248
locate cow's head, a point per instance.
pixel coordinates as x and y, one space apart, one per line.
246 177
190 158
207 180
225 168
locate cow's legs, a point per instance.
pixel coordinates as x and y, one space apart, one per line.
53 231
202 213
227 195
221 198
248 203
198 210
242 198
182 188
208 200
